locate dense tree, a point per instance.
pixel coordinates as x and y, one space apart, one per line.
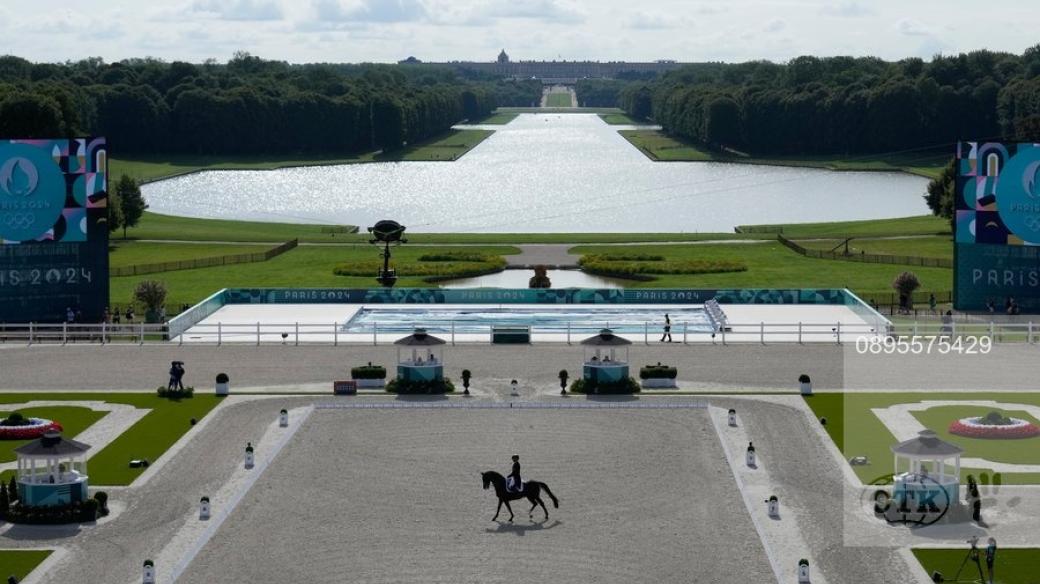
131 203
115 212
941 192
30 116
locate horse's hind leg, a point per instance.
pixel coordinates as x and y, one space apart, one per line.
534 503
543 508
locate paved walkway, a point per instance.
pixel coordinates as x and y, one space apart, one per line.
553 256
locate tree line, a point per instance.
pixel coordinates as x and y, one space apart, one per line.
839 105
246 106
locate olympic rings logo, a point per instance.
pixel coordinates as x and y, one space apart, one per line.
19 220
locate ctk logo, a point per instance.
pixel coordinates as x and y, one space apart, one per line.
18 177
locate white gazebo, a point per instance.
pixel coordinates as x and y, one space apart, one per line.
423 364
52 471
928 460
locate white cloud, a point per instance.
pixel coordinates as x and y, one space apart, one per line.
850 9
775 25
370 11
911 27
653 20
545 10
239 9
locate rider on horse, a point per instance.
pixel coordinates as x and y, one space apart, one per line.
514 476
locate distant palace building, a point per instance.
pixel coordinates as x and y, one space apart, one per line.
562 71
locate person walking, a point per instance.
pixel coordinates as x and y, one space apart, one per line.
932 303
179 375
667 329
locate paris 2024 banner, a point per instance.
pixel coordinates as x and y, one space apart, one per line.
53 230
997 246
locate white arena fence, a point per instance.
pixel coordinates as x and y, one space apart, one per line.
479 405
259 333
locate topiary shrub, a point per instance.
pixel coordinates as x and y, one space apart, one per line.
625 386
369 371
15 419
403 387
187 392
658 372
223 378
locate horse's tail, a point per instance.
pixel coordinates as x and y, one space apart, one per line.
556 502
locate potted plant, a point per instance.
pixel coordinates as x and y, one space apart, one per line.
369 376
152 294
466 375
223 384
805 384
563 381
657 376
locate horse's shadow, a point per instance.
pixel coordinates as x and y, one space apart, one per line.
519 529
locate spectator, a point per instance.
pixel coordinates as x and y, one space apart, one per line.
932 303
130 314
70 316
116 315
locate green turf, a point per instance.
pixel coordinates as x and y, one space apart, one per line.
558 99
621 120
73 420
129 253
1024 451
305 266
1013 565
938 246
771 265
498 119
149 438
449 146
916 225
858 432
659 146
19 563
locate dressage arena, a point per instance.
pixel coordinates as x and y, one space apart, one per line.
395 495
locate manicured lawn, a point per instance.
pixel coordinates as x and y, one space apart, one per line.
659 146
448 146
1012 566
19 563
310 266
73 420
130 253
1024 451
168 227
149 438
858 432
771 265
557 99
940 246
498 119
621 120
917 225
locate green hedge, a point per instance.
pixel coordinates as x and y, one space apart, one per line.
456 256
399 386
625 386
658 372
163 391
78 512
644 269
430 270
369 371
635 257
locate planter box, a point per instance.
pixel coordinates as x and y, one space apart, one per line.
658 383
224 388
502 335
806 388
370 383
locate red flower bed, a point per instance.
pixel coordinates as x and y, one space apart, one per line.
29 432
1009 432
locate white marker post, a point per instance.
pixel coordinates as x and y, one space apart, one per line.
773 506
751 455
204 508
148 575
283 419
249 455
803 571
732 418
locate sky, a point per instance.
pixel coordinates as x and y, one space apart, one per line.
442 30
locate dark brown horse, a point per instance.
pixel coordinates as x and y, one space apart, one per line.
532 492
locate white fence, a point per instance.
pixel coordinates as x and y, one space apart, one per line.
260 333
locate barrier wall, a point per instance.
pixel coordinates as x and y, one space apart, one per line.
197 313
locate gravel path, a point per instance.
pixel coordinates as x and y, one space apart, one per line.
141 368
646 496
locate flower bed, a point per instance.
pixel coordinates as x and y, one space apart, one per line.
32 428
1013 429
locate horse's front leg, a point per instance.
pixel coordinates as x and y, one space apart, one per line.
498 510
510 511
534 503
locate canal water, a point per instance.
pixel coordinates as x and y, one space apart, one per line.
544 173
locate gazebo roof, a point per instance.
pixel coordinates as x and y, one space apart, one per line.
927 445
606 338
52 444
419 338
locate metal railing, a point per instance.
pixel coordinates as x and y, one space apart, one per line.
335 333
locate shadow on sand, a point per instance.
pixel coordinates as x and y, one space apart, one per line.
521 529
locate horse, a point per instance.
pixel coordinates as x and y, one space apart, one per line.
532 491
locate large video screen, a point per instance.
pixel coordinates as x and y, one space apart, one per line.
997 243
53 230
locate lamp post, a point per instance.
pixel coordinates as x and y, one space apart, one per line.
387 232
